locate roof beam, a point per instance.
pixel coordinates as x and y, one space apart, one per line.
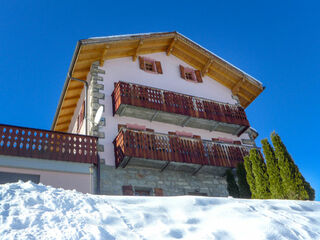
66 115
244 96
170 48
71 98
75 88
236 87
103 55
135 55
206 67
62 123
61 130
79 74
69 107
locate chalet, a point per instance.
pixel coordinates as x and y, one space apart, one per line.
173 117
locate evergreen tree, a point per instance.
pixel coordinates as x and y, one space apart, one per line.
260 174
273 171
244 189
292 180
249 176
232 185
309 189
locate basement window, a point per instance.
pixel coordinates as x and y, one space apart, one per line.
142 192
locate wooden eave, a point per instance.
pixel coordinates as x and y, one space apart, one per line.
103 49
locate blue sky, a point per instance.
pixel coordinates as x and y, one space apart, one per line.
277 42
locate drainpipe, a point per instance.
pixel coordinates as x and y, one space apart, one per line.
86 85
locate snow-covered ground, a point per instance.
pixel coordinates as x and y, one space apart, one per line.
31 211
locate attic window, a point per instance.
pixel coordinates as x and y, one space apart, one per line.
150 65
190 74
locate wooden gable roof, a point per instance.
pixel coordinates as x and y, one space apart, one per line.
102 49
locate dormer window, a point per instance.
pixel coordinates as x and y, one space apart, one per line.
190 74
150 65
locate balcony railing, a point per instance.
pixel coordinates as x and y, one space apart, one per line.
137 147
175 108
36 143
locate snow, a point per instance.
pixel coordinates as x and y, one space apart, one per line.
32 211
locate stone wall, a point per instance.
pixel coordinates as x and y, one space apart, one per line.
172 183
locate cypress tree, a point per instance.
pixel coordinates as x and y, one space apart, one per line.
260 174
292 181
249 176
244 189
273 171
232 185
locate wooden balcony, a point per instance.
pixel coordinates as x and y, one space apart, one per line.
170 107
36 143
161 151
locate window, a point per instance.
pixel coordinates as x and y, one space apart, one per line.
10 177
190 74
142 192
150 65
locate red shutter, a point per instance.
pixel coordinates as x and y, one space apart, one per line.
81 116
158 66
141 62
127 190
182 73
198 75
158 192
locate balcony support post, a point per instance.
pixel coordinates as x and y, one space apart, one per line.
125 162
154 116
165 166
122 111
215 127
185 121
197 170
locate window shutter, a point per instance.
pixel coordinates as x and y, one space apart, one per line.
158 192
127 190
81 116
141 62
158 66
182 73
198 75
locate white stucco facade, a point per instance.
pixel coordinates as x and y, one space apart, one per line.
126 70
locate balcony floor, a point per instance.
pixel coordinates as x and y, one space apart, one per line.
173 166
179 119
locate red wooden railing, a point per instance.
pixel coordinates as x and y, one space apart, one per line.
36 143
164 147
172 102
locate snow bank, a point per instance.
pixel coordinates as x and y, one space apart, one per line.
31 211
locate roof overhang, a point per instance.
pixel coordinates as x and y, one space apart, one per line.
101 49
